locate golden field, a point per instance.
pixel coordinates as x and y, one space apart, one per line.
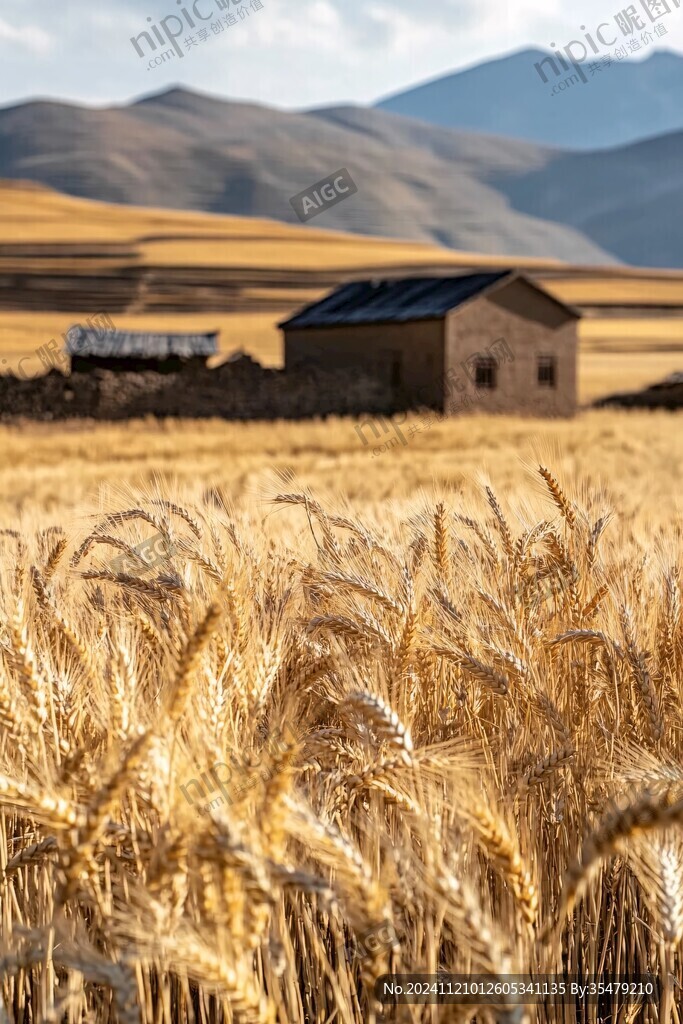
636 457
34 215
358 712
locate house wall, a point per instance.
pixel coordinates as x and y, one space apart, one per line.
531 324
407 357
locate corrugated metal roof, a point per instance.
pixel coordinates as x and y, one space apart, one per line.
87 341
399 300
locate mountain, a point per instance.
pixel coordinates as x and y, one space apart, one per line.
627 200
624 102
184 150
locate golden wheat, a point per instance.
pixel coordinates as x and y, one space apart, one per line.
245 782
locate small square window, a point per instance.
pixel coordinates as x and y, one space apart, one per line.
547 371
485 373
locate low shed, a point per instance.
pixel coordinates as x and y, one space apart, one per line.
91 349
493 341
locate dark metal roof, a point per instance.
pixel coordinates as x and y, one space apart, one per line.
399 300
88 341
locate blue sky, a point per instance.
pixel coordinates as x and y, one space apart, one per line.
290 53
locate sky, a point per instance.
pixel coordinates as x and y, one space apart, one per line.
293 54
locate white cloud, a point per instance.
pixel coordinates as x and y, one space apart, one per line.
400 32
306 53
34 39
317 24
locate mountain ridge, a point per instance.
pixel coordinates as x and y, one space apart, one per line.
628 101
185 151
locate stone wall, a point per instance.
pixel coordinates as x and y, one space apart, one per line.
240 389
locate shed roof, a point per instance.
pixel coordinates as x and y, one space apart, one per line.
88 341
399 300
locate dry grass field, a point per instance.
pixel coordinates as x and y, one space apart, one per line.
627 354
363 709
31 214
624 287
633 458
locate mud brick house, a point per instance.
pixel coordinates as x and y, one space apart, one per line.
496 342
90 348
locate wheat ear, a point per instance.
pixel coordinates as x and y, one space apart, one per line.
559 497
386 723
649 813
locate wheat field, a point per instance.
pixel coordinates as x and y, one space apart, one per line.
262 744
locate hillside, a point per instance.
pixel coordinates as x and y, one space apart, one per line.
187 151
470 192
626 101
601 194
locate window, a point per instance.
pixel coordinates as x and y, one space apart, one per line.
547 376
485 372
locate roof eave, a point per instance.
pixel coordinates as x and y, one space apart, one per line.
371 323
